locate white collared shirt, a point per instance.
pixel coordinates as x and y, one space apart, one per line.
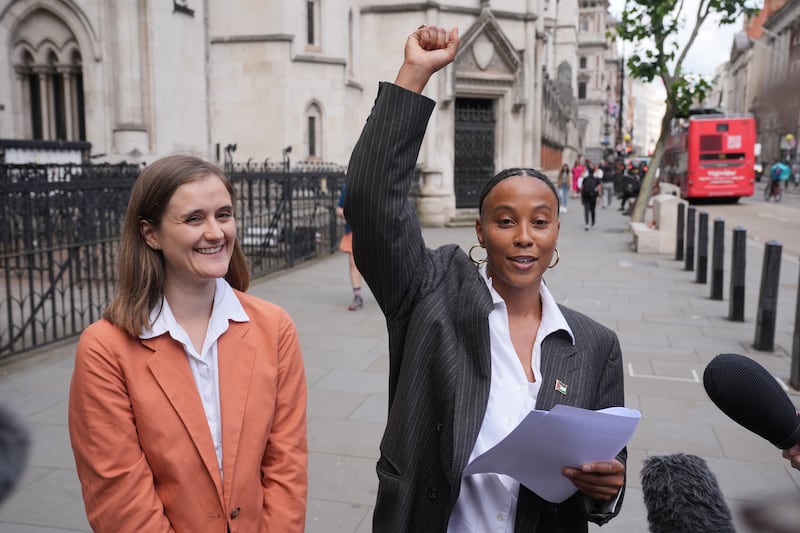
205 364
488 502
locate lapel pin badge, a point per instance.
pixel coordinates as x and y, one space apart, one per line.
561 387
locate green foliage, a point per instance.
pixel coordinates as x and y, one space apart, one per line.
686 91
652 26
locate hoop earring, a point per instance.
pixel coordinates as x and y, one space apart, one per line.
477 262
558 258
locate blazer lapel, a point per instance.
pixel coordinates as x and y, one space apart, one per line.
561 383
236 361
474 372
170 367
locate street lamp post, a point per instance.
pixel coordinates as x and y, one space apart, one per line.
286 161
607 125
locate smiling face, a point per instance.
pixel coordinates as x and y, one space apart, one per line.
196 233
519 227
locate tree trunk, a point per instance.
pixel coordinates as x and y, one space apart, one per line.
646 187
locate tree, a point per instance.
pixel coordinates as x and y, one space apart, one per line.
652 26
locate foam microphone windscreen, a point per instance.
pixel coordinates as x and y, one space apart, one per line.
682 495
752 397
14 443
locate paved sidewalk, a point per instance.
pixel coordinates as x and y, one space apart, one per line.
668 327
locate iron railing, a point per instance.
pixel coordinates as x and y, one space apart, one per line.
59 231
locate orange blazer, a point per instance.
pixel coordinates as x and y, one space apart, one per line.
143 448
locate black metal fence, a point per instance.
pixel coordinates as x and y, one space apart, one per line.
60 224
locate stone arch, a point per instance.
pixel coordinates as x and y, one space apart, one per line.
67 11
46 58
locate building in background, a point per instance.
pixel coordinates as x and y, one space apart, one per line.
294 81
647 106
761 78
599 81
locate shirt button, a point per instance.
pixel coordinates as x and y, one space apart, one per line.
439 426
501 517
432 494
235 512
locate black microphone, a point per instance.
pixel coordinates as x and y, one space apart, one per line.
752 397
681 494
14 443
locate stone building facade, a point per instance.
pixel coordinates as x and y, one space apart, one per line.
761 78
293 82
599 81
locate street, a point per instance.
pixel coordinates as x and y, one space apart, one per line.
764 221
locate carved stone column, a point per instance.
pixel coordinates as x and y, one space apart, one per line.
46 104
130 132
69 102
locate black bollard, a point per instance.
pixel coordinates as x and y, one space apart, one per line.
681 229
794 373
702 248
717 255
689 259
768 297
738 263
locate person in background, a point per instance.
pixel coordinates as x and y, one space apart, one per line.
591 187
187 405
607 179
562 185
472 349
577 172
779 174
630 186
346 246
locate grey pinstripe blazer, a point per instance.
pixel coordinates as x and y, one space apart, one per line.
436 306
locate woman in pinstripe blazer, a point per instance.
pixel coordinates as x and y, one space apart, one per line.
471 350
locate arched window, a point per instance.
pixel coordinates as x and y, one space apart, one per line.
314 132
48 65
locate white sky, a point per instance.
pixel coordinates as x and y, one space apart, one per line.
711 48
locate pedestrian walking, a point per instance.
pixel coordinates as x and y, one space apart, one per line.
346 246
578 171
591 187
608 178
562 185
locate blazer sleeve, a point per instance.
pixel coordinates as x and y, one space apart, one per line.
611 393
116 479
387 241
284 468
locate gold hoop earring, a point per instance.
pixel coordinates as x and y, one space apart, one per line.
558 258
471 248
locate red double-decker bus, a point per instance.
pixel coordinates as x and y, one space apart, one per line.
711 155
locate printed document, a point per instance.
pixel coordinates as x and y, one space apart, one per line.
545 442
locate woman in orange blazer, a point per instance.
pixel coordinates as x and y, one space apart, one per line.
187 408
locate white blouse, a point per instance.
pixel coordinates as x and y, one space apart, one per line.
488 502
204 364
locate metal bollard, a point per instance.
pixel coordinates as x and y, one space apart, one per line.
689 259
794 373
768 297
738 264
681 228
717 255
702 248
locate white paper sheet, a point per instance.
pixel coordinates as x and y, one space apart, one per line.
545 442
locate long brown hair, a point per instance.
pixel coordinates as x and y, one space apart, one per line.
140 268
